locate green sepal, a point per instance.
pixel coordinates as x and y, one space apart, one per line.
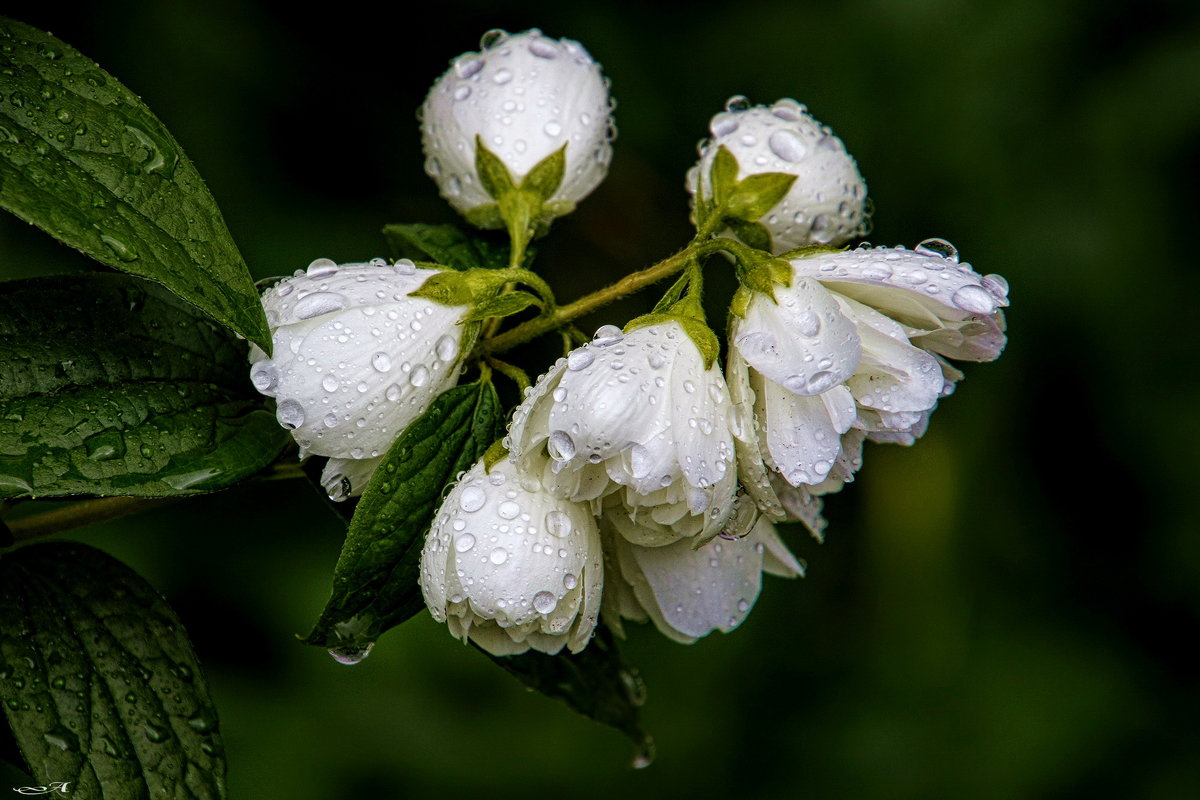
724 176
99 682
494 176
486 216
696 329
504 305
762 272
596 682
375 581
672 295
494 455
758 194
547 175
84 159
754 234
809 250
740 302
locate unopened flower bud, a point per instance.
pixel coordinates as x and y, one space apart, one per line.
827 202
525 97
356 358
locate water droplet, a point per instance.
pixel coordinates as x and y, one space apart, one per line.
542 48
975 299
559 394
808 323
264 376
462 92
552 128
544 602
64 116
156 733
821 382
467 66
122 251
318 303
464 542
321 267
640 461
382 362
996 284
405 267
203 722
508 510
105 446
878 271
393 393
419 376
61 738
558 523
580 359
787 145
351 655
329 383
472 499
606 335
446 348
739 102
560 446
502 76
937 247
498 556
290 414
330 420
743 606
493 38
570 581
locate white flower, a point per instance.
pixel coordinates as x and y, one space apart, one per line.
851 350
689 592
525 96
356 359
826 204
636 414
512 567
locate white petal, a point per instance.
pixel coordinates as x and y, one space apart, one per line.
530 424
752 472
801 438
777 559
347 477
802 342
892 375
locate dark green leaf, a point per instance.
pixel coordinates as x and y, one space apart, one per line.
597 682
110 385
547 175
447 245
375 581
494 177
99 682
758 194
82 158
754 234
502 306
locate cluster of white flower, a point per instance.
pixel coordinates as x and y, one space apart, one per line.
641 480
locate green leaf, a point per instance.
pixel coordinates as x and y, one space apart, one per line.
99 682
375 580
596 682
447 245
723 176
758 194
85 160
494 177
110 385
547 175
504 305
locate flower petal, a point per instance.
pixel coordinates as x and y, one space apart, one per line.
892 375
801 438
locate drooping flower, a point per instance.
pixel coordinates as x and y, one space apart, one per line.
635 417
855 348
356 358
512 567
525 97
827 202
689 592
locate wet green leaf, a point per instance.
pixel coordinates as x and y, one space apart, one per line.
110 385
375 580
85 160
597 682
99 682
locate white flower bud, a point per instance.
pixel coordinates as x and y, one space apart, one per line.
525 96
827 202
854 349
512 567
356 359
636 414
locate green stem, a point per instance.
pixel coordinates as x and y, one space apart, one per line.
631 283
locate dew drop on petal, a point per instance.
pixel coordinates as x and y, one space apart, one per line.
405 267
290 414
580 359
419 376
606 335
446 348
464 542
321 267
393 393
786 145
508 510
318 303
544 602
330 420
498 556
264 376
329 383
560 446
381 361
937 247
975 299
558 523
570 581
640 461
472 499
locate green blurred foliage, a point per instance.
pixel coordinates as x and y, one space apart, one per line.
1001 611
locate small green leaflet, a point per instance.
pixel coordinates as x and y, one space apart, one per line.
504 305
375 580
84 159
110 385
447 245
596 682
99 682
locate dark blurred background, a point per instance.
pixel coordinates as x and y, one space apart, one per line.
1002 611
